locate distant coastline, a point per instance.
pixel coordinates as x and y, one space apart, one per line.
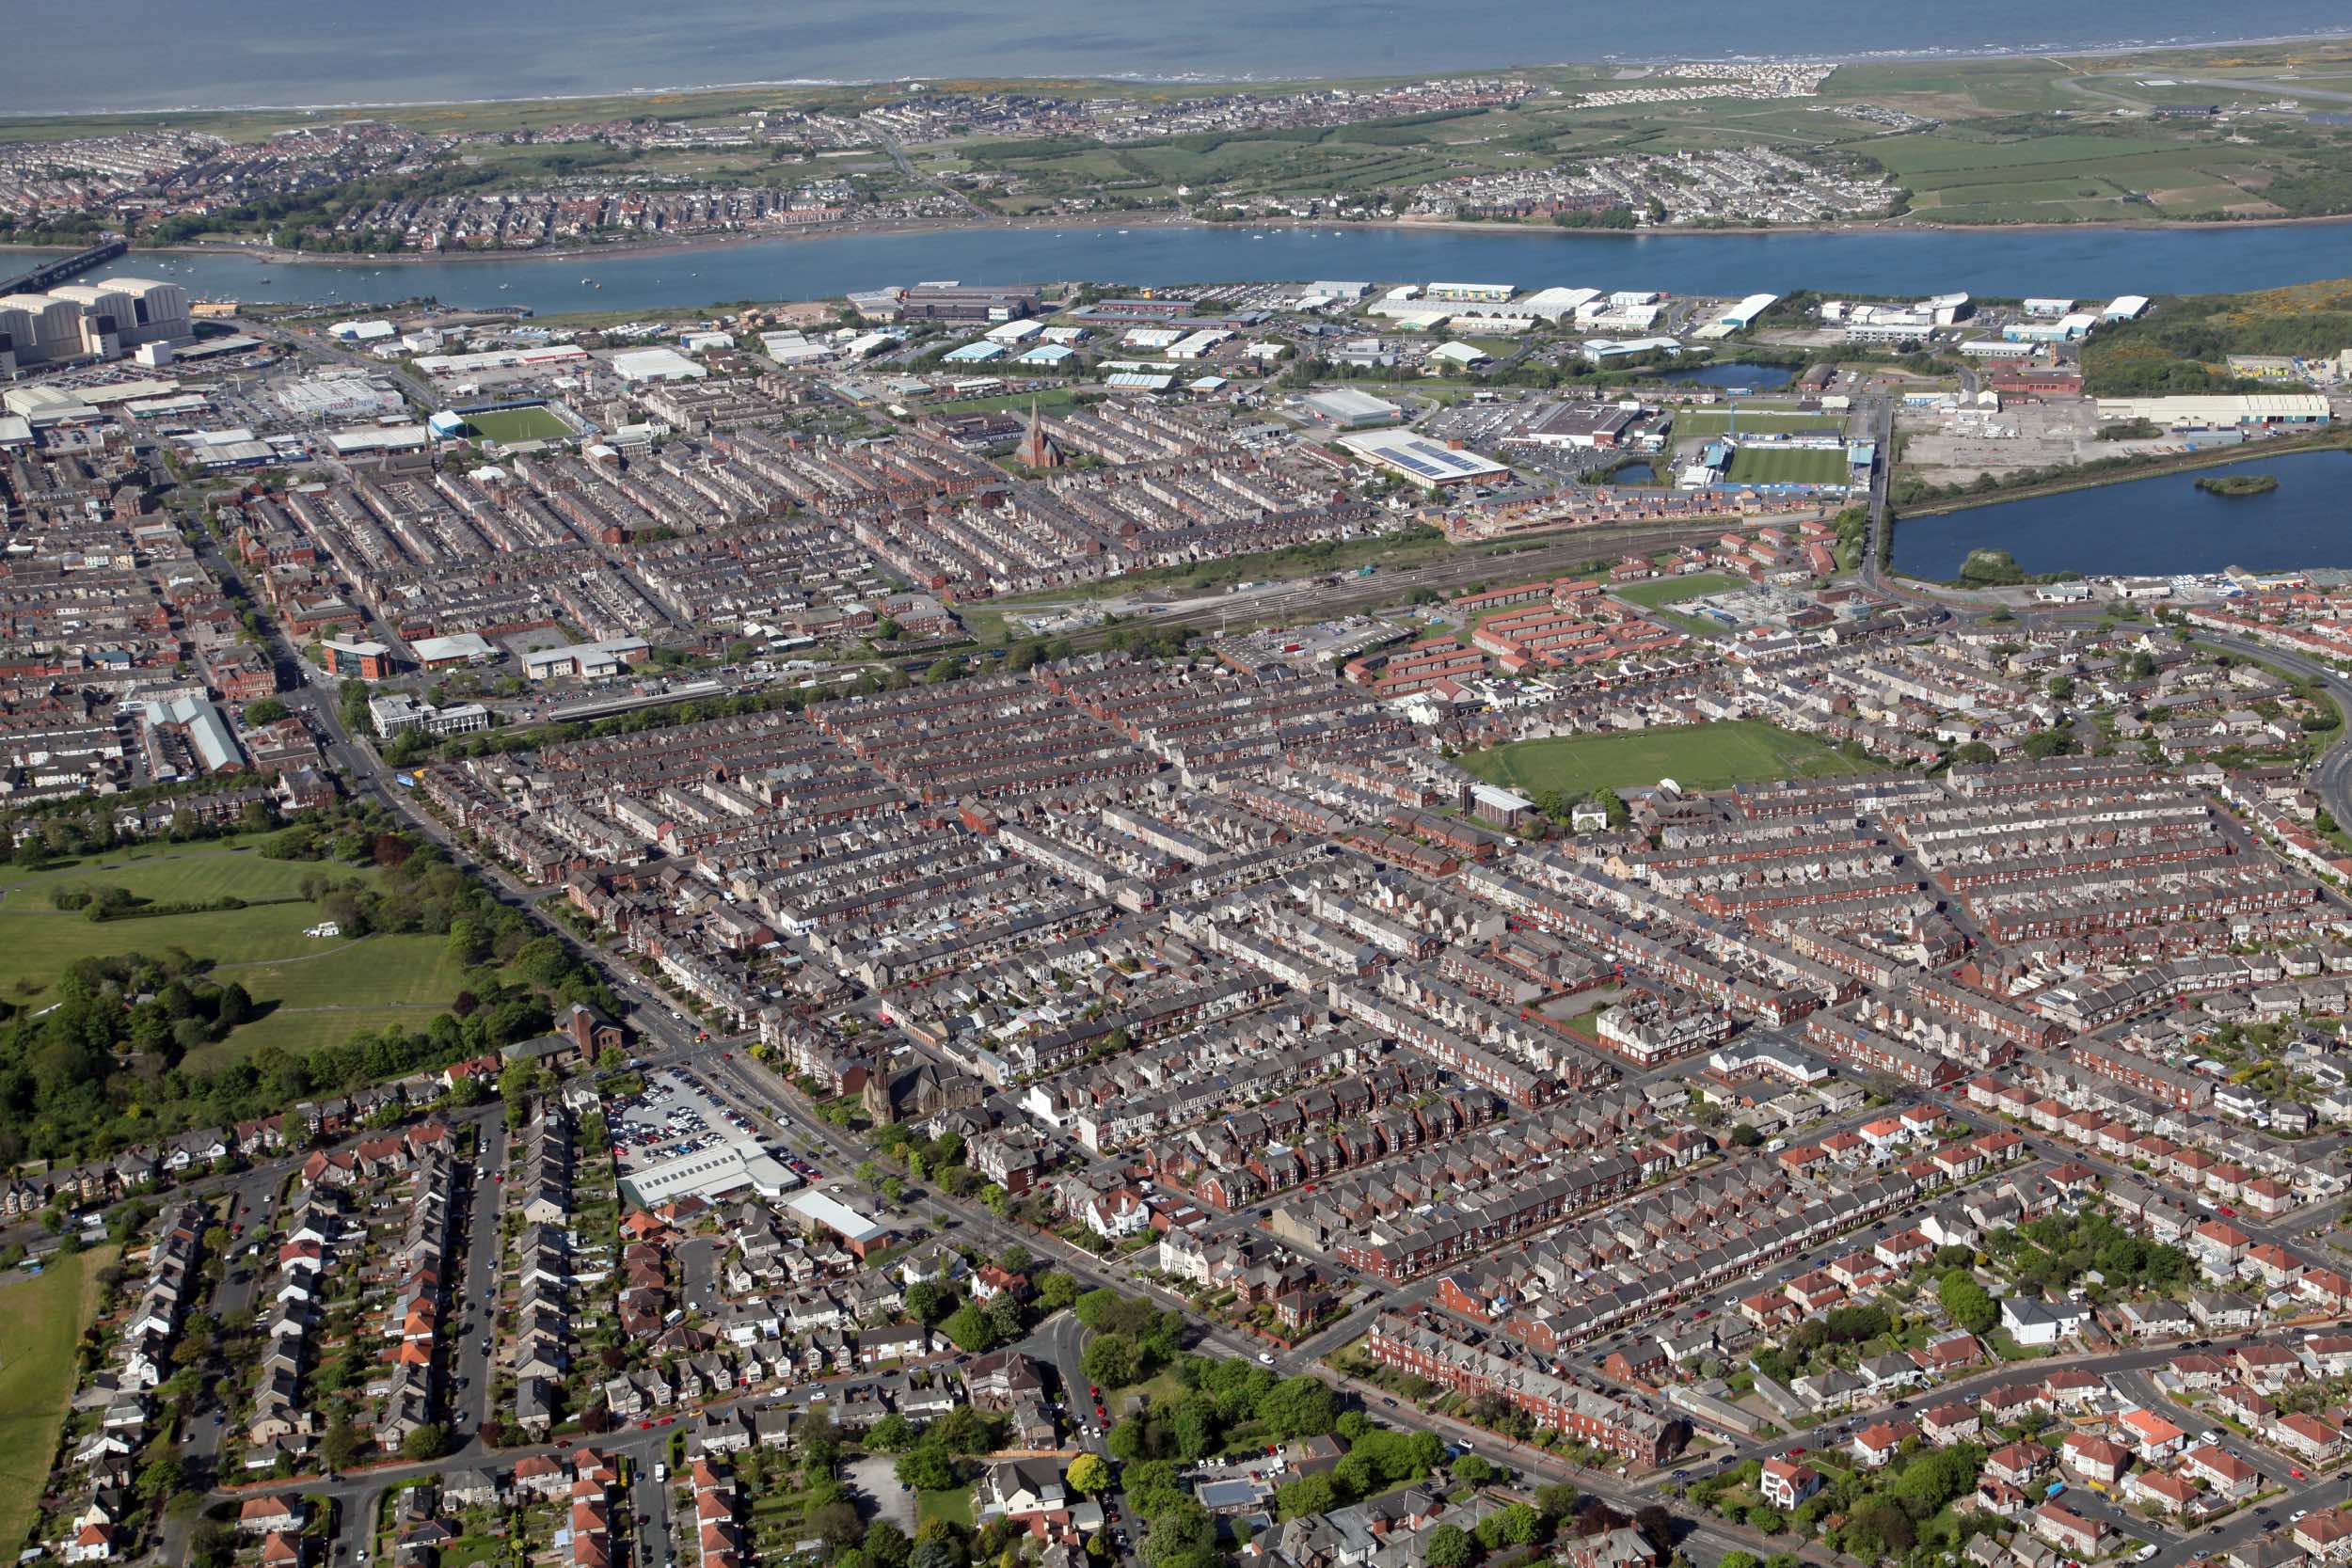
1208 82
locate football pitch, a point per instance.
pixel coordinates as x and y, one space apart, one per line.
517 424
1787 466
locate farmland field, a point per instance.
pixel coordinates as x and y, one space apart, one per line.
40 1322
1696 756
1791 466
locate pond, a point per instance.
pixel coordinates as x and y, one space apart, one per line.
2154 527
1734 374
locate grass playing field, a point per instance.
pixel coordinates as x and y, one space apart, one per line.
1708 424
40 1322
1658 590
517 424
1697 756
311 989
1793 466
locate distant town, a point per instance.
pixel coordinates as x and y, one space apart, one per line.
2190 137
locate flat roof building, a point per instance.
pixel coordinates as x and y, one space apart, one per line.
1424 462
1349 410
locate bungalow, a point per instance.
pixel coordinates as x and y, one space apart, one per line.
2031 1323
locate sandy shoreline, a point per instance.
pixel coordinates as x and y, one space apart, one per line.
1211 83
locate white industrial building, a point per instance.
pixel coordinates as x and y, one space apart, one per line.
1744 315
1483 294
2219 411
89 320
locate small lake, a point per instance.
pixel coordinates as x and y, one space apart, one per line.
2154 527
1734 375
1634 473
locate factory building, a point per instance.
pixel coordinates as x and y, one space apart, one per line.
1482 293
1744 315
2225 411
89 320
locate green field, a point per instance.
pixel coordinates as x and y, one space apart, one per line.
1797 466
1696 756
517 424
310 989
1708 424
1658 590
40 1322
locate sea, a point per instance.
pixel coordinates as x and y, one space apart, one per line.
2085 263
215 54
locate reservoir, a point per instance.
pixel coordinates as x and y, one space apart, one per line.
1734 375
2085 262
2154 527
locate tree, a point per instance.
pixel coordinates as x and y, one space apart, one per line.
1088 1475
1969 1304
268 710
1299 1408
1308 1495
1196 1427
1472 1470
893 1433
1056 1289
1110 1360
886 1544
1130 1441
160 1481
937 1551
925 1468
429 1441
340 1446
971 1329
1447 1547
928 1301
1521 1524
1182 1537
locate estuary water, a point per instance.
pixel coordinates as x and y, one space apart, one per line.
2154 527
2085 262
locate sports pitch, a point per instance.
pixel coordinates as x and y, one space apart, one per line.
517 424
1790 466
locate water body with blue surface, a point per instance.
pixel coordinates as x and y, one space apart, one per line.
2156 526
236 53
2089 264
